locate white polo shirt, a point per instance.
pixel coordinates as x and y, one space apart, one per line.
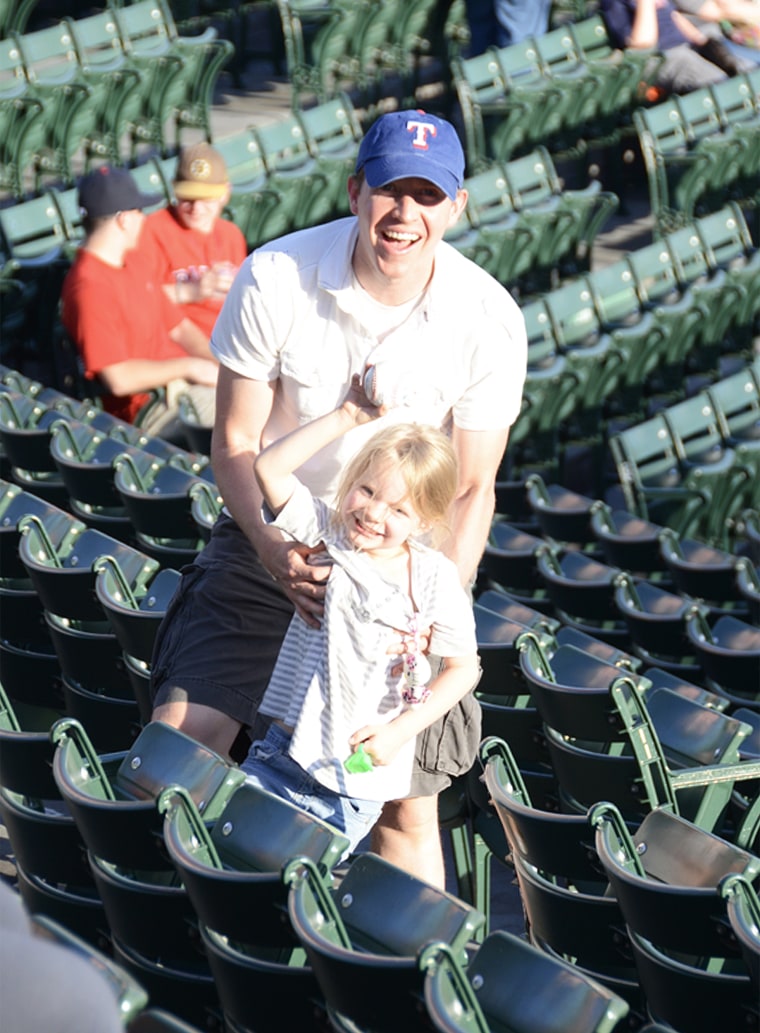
294 314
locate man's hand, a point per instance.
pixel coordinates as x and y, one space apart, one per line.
302 582
202 371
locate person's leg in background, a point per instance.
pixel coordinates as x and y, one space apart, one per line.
481 18
517 19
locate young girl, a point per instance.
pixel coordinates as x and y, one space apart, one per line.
342 738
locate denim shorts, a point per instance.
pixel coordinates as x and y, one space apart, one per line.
269 766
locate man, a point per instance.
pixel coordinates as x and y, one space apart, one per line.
116 314
194 251
305 314
690 59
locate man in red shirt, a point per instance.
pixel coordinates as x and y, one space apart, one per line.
194 251
128 338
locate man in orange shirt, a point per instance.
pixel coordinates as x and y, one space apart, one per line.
129 340
193 251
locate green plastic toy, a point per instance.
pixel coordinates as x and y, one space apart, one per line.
359 761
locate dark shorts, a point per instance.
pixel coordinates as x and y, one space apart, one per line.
220 638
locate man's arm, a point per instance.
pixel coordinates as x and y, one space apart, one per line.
132 376
645 33
688 29
243 407
191 338
479 454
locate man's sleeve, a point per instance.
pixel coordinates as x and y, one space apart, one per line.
245 338
498 366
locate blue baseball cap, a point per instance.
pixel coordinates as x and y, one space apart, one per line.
412 144
109 190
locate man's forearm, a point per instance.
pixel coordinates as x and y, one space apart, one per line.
242 496
470 524
192 339
644 30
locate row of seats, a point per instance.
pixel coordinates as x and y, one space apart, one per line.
121 73
565 89
605 346
150 920
701 149
372 49
221 902
610 573
75 455
694 614
285 175
113 884
696 464
525 228
658 910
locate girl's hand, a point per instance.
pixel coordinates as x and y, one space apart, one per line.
358 406
381 742
404 642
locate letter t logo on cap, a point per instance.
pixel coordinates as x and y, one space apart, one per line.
421 132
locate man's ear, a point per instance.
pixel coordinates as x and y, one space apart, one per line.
458 205
353 188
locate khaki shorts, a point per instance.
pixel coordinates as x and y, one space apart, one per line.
160 416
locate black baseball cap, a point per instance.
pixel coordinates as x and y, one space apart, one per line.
109 190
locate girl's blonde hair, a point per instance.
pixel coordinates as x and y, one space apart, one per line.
426 460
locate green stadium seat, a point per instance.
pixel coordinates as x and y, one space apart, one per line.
363 953
728 648
653 484
333 133
666 878
178 73
743 910
509 984
292 171
232 868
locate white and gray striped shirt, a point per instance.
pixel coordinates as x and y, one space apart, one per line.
329 682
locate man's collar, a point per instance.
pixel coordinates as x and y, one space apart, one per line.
336 274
